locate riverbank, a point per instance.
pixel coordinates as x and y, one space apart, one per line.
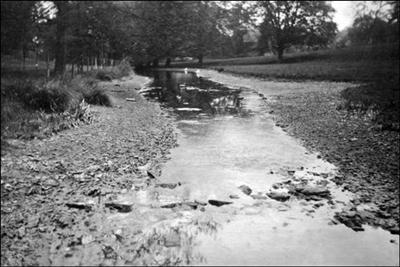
54 190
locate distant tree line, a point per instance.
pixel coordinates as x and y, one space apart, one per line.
377 22
98 33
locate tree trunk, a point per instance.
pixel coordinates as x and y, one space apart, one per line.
155 63
72 70
280 53
168 62
59 67
48 65
200 58
23 58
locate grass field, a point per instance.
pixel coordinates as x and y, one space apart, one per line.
361 63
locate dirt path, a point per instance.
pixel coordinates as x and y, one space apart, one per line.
84 165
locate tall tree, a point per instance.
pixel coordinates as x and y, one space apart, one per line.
16 26
289 23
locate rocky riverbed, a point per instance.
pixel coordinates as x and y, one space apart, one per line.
367 156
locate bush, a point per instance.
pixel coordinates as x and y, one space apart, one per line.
38 108
123 69
378 101
104 75
98 97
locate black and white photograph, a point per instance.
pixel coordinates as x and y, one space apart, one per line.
200 133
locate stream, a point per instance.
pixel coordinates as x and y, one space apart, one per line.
226 139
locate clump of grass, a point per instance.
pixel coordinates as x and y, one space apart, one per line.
98 97
38 108
104 75
378 101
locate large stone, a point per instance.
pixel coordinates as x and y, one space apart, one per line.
279 196
350 219
312 192
187 204
121 207
88 206
219 203
245 189
168 185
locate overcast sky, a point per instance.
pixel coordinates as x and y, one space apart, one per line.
344 14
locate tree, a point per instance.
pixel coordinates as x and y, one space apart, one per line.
16 26
376 22
289 23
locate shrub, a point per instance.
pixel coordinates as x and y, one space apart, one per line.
104 75
98 97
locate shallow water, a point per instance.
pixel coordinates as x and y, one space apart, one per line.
226 139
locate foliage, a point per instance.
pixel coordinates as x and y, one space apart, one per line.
376 23
98 97
36 108
296 22
16 25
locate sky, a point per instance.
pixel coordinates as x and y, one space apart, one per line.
344 14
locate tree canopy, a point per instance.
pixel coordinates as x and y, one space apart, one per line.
95 33
287 23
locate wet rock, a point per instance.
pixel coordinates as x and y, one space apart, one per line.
109 252
188 204
245 189
258 197
219 203
350 219
168 185
80 205
394 230
152 176
276 186
279 196
317 205
94 192
121 207
310 192
382 214
64 221
234 197
201 203
291 172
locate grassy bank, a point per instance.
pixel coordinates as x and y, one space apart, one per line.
32 106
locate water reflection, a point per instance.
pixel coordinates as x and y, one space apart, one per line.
190 95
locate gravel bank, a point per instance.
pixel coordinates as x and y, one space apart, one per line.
53 189
367 157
